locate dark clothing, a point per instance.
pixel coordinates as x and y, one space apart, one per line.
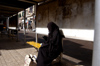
1 27
52 48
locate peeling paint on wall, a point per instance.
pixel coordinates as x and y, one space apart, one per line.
67 14
78 12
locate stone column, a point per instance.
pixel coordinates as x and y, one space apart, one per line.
96 47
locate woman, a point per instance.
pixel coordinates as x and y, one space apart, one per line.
51 48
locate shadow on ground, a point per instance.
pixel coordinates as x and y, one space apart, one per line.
7 43
75 50
70 48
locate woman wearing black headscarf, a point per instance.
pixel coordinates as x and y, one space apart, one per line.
51 48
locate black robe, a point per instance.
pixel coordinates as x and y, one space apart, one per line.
52 48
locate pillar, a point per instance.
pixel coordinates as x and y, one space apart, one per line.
7 22
36 34
24 26
17 27
96 47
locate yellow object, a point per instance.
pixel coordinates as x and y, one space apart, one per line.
36 45
4 27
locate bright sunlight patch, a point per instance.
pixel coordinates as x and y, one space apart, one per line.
36 45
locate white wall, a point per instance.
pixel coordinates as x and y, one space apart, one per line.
72 33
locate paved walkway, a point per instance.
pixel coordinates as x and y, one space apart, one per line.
76 52
12 53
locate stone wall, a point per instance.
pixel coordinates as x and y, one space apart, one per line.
74 17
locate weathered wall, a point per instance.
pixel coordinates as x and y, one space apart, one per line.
74 17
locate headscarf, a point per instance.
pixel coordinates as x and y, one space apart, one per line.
52 27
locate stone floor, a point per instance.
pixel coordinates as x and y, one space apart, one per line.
75 52
12 53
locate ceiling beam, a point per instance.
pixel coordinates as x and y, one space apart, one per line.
11 12
1 13
32 2
15 3
10 8
40 1
6 15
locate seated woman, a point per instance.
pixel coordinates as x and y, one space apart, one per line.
51 48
